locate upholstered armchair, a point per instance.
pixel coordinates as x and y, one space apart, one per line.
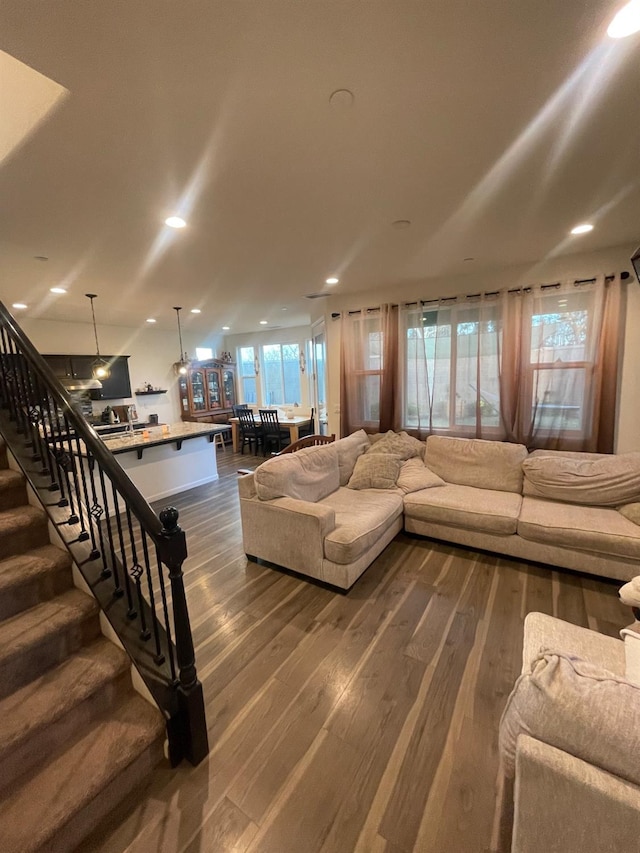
570 740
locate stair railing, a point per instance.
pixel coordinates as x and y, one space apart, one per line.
125 552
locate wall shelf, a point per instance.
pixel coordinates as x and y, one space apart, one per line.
148 393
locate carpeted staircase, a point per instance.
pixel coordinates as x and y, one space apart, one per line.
75 738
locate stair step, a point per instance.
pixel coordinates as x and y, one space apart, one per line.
21 529
13 489
41 637
42 716
55 808
30 578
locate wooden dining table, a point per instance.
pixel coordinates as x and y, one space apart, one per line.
292 424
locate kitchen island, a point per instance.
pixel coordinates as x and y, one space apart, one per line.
165 460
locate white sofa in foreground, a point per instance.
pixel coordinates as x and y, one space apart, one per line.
569 743
327 512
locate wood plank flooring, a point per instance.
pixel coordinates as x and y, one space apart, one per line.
365 722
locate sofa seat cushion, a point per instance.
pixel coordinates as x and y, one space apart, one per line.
599 481
583 528
495 465
579 708
309 475
361 517
464 506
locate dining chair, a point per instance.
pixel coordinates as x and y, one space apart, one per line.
310 429
239 407
273 434
250 432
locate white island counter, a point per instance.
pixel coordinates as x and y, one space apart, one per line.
163 461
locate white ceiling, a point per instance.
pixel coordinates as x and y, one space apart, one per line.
493 126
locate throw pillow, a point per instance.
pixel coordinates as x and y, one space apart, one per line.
399 444
414 476
631 511
349 449
375 471
578 708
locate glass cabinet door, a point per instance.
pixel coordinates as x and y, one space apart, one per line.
198 399
184 394
228 384
213 388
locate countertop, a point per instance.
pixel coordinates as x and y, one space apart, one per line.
177 432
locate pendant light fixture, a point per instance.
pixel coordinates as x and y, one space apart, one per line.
182 365
100 368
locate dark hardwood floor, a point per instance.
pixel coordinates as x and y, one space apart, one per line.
363 722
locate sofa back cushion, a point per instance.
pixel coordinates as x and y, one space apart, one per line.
399 444
309 475
475 462
349 449
600 481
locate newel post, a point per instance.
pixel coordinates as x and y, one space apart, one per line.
192 724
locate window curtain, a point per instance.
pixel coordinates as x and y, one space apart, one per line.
537 366
451 382
369 373
559 364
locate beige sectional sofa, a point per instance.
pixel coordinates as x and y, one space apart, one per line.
328 511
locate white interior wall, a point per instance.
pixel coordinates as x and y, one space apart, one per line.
584 265
152 354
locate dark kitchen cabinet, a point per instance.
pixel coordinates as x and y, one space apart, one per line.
68 367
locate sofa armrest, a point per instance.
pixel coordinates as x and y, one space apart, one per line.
286 531
564 805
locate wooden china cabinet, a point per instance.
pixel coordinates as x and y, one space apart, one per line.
208 392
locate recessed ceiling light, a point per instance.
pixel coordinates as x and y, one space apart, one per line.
150 320
284 308
626 21
263 322
175 222
401 224
332 280
196 311
584 228
226 328
57 290
19 305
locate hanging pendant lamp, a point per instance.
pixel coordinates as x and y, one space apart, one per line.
100 369
182 365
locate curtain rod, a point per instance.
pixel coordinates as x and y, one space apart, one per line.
624 275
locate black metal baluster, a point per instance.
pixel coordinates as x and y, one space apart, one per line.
131 612
158 656
53 486
118 592
136 571
167 623
96 511
21 420
81 472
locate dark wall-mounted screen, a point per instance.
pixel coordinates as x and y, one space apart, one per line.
635 260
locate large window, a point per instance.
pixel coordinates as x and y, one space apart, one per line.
248 378
451 368
281 374
559 361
